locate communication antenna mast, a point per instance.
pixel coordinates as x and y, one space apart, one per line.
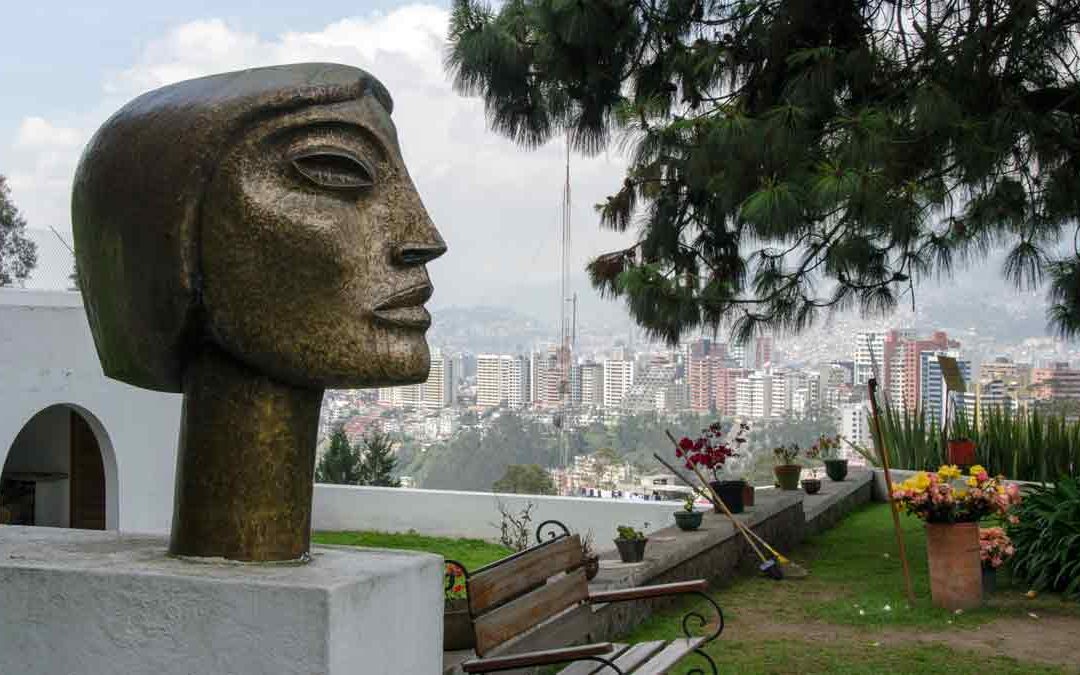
567 320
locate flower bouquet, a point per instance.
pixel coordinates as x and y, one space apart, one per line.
935 497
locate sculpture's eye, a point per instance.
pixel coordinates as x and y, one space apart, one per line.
335 169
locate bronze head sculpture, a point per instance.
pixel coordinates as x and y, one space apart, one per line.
250 239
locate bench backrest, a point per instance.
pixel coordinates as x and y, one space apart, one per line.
510 596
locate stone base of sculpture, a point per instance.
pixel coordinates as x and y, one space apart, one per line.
78 601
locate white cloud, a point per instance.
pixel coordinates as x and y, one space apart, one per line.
496 204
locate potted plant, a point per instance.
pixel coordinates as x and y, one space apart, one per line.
458 630
961 452
952 514
631 544
712 452
787 470
995 548
827 449
811 485
589 560
688 519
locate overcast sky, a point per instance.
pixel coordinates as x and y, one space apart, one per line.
66 66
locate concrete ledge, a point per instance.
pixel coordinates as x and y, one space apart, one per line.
102 603
716 552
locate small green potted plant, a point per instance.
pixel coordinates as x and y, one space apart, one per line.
688 519
787 469
827 449
631 544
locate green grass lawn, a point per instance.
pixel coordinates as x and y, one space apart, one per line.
472 553
851 615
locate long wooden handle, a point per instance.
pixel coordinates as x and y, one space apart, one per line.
717 500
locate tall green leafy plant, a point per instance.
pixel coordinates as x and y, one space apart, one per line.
1032 446
1046 534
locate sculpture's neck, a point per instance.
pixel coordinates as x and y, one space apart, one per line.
244 472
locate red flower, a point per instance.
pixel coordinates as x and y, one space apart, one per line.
686 443
458 588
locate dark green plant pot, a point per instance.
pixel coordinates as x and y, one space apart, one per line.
688 520
787 476
731 491
836 469
811 485
631 550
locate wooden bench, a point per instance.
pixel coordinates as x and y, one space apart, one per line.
511 596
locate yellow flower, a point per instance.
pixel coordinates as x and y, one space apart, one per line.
976 470
960 494
972 482
949 472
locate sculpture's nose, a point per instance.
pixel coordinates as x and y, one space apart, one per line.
418 253
421 242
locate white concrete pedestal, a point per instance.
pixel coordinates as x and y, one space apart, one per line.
102 603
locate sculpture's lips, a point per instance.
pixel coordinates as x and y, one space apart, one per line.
406 308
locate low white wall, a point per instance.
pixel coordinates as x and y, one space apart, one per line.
476 514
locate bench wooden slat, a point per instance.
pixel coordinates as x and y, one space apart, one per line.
501 582
635 656
590 667
659 664
526 611
538 658
655 591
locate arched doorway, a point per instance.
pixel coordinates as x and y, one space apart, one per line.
57 472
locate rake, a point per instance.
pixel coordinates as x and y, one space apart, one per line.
775 567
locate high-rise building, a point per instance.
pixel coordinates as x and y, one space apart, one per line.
501 380
699 375
933 391
853 423
753 396
725 388
618 378
784 383
591 375
1057 382
984 397
649 390
868 354
913 376
439 389
763 352
544 378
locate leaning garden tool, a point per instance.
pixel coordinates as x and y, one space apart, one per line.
769 566
790 568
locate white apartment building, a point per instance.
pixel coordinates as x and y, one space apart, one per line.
869 349
439 390
591 376
853 423
753 396
618 378
501 380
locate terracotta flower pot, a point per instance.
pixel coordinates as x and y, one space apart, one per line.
631 550
836 469
955 566
962 452
731 491
748 495
787 476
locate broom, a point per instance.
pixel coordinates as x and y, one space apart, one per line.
775 567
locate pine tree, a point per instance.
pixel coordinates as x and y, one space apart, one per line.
341 463
378 462
18 254
790 156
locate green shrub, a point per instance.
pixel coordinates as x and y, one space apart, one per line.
1047 537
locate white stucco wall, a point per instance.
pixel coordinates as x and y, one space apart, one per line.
476 514
47 358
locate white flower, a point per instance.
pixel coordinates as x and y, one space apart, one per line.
888 608
862 612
